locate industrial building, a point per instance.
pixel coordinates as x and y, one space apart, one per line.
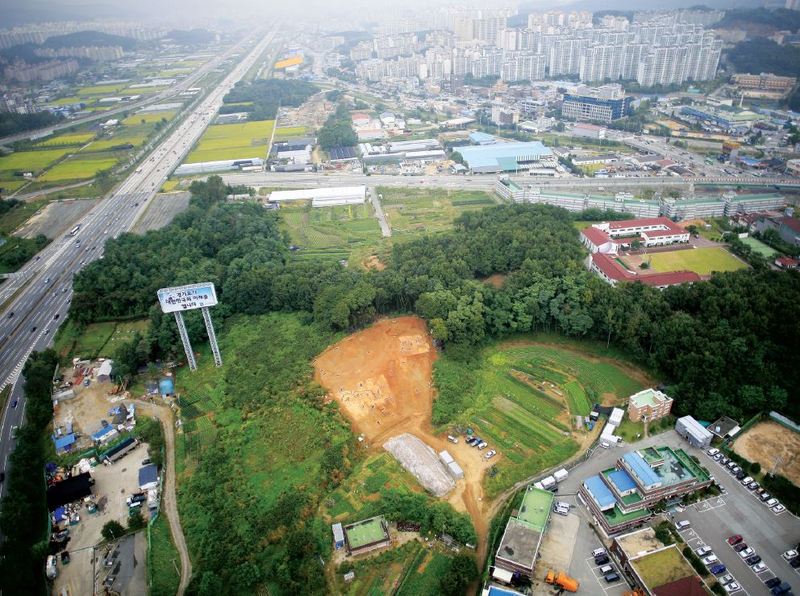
506 157
620 498
522 537
322 197
695 433
598 104
209 167
649 404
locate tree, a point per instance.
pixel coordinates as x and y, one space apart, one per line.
112 530
136 520
461 573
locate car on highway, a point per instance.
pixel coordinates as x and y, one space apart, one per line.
33 329
55 316
14 404
11 314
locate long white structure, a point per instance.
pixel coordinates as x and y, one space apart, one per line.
323 197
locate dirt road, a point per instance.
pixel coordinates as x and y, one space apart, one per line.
170 500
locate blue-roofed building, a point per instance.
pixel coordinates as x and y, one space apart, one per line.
64 443
641 471
600 493
148 477
481 138
504 157
104 434
498 591
622 482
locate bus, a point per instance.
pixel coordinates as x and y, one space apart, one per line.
74 231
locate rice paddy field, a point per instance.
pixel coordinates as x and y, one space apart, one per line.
330 232
69 139
415 211
78 168
233 141
288 132
522 398
702 261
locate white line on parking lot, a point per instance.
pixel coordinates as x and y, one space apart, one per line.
595 569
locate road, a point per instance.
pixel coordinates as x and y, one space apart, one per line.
386 231
484 182
36 301
168 93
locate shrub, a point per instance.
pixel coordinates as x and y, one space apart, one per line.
112 530
695 561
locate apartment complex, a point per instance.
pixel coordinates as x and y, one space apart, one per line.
621 498
598 104
767 81
649 405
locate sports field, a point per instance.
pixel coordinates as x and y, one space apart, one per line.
763 249
233 141
535 507
365 532
702 261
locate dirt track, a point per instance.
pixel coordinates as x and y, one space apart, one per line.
381 378
767 440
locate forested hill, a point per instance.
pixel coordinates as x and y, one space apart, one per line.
730 345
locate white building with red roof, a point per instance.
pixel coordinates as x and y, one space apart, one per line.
613 272
650 231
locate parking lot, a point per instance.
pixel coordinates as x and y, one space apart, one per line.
740 511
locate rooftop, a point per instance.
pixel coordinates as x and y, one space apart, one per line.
724 426
617 516
639 543
621 480
599 491
686 586
535 507
493 155
519 544
648 397
615 271
662 567
365 532
641 470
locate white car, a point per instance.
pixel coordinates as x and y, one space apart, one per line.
712 452
490 454
731 587
772 502
759 567
779 508
789 554
483 445
703 551
683 524
725 579
746 552
710 560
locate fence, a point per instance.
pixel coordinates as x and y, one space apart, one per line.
784 421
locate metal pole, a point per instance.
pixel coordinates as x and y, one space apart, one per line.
187 346
212 337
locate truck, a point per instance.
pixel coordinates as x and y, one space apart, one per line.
560 475
562 580
548 482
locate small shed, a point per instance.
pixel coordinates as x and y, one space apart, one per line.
65 443
616 416
455 470
148 477
166 387
104 372
338 536
724 427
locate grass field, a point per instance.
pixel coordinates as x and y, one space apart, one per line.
148 117
100 90
425 579
96 339
163 559
74 138
19 214
287 132
379 574
232 141
702 261
414 211
29 161
330 232
365 532
522 399
763 249
77 169
663 567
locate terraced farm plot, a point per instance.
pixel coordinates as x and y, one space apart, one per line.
417 211
523 401
78 169
330 232
380 574
702 261
233 141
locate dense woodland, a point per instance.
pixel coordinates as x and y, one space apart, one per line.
337 130
728 345
11 123
266 95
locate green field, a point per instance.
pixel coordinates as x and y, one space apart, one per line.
522 399
233 141
379 574
29 161
74 138
96 339
100 90
365 532
288 132
535 507
331 232
163 559
702 261
148 117
77 169
763 249
415 211
427 583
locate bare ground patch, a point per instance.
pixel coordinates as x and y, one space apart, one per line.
55 218
768 440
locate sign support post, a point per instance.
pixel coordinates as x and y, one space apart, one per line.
192 297
187 346
212 336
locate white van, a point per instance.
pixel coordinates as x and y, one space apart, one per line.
746 480
562 510
683 524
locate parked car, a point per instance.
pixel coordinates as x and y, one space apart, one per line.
725 579
753 485
482 445
746 480
717 456
703 551
607 569
779 508
739 475
783 588
735 539
790 554
710 560
611 577
683 524
740 547
746 552
772 582
772 502
712 452
731 587
490 454
759 567
753 560
601 559
795 563
765 496
598 552
724 460
718 569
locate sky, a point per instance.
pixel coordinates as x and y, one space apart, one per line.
191 12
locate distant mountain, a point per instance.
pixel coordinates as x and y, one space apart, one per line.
192 37
27 51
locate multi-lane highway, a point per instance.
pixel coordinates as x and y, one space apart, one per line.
35 302
167 93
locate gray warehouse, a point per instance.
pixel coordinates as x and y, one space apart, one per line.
694 432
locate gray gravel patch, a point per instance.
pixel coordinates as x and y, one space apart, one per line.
422 461
55 218
162 210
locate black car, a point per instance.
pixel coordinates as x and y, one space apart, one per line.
740 475
773 582
2 476
55 316
752 560
795 563
33 329
11 314
740 547
601 560
611 577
